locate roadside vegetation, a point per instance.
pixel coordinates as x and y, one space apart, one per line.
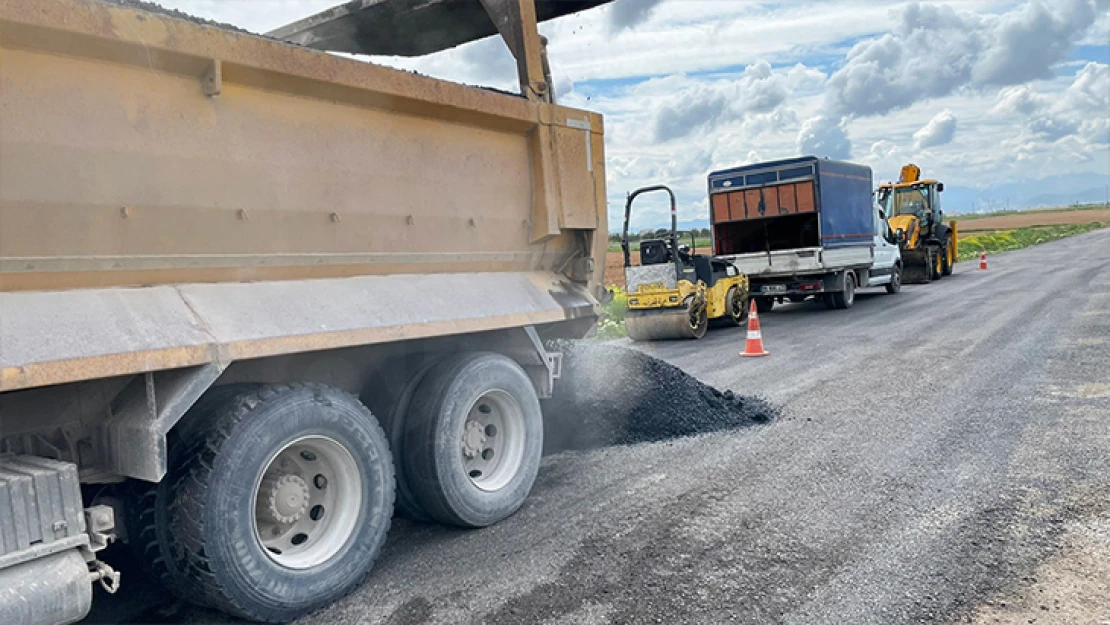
1007 240
611 323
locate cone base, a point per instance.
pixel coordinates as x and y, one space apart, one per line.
747 355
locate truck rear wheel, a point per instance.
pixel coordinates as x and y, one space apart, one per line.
764 304
279 506
843 299
474 440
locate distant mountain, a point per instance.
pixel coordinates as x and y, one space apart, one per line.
1052 191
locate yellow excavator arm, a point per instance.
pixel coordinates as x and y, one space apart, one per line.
910 173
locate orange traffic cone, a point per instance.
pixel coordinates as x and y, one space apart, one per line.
754 346
982 259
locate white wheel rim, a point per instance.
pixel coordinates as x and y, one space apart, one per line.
493 440
307 502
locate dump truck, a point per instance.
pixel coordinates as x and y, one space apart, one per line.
929 246
254 296
803 227
674 292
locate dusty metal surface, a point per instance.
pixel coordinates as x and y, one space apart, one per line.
665 274
54 589
54 337
407 27
133 439
118 169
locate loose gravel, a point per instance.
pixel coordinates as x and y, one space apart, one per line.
151 7
612 395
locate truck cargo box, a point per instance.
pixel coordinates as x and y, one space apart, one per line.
788 204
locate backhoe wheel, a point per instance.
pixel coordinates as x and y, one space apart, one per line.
474 439
280 503
949 258
764 304
940 260
843 299
895 283
930 263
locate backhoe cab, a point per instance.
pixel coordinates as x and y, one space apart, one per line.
674 293
912 206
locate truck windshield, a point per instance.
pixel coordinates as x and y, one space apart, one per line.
906 201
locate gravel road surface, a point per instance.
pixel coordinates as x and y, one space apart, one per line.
942 455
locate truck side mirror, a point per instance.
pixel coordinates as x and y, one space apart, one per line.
940 187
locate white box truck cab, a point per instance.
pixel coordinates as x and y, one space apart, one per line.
803 227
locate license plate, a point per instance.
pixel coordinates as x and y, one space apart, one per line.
774 288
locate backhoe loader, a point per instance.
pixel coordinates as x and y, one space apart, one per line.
675 293
912 207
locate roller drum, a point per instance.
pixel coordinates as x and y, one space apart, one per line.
665 324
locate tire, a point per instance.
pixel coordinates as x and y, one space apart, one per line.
736 311
843 299
145 509
895 284
736 308
930 263
451 417
764 304
949 258
395 413
223 546
940 268
698 320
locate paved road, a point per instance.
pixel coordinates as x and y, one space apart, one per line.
944 456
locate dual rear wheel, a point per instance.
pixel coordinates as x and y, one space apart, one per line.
279 498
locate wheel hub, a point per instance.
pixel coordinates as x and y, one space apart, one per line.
286 498
474 439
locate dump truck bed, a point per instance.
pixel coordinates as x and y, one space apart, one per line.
174 193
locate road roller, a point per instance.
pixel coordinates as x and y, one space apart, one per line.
675 293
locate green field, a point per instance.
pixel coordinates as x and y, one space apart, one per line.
1006 240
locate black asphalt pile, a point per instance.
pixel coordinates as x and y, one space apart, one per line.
611 395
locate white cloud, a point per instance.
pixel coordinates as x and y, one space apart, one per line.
825 136
1080 110
935 50
940 130
680 106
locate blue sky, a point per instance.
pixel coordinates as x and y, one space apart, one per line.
995 97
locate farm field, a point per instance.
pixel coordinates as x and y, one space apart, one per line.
1033 218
